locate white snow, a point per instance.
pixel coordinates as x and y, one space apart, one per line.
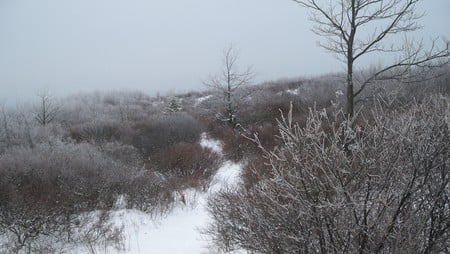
214 145
339 93
295 91
176 233
202 99
228 176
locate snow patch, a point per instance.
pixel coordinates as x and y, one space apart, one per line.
202 99
214 145
227 176
295 91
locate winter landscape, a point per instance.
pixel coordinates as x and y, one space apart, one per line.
347 159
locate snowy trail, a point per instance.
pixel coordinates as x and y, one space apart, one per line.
179 231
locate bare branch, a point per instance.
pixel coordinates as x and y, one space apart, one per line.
414 58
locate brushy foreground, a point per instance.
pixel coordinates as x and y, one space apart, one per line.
376 183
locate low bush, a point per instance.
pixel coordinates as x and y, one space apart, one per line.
163 131
148 191
96 131
185 165
235 145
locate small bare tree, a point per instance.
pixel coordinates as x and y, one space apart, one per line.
229 80
47 110
357 28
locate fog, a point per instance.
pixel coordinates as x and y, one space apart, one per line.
159 46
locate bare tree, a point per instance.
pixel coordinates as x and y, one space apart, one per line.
229 80
356 28
47 109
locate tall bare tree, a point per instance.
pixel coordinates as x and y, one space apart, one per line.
356 28
229 80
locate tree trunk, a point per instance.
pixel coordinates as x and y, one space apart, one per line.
230 106
350 60
350 95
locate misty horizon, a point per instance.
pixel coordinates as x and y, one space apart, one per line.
160 47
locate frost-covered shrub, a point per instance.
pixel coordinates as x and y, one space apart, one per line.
164 130
18 128
236 144
111 106
43 189
96 131
126 154
186 165
56 174
147 191
334 186
265 107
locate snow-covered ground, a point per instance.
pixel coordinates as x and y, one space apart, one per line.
177 232
180 230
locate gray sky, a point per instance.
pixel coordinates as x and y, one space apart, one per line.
67 46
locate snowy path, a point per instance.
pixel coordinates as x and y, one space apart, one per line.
179 231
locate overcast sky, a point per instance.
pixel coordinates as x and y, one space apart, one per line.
67 46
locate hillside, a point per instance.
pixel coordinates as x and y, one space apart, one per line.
125 172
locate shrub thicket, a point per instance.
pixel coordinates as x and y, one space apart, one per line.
45 189
334 186
185 165
164 130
